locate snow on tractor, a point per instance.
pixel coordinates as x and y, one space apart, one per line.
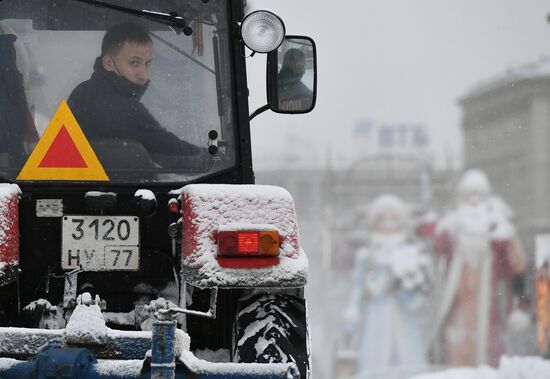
133 241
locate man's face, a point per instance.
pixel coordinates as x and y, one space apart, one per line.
299 67
133 61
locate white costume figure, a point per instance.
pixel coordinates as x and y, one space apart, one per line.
390 275
478 243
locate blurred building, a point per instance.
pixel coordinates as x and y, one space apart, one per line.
506 125
332 204
408 176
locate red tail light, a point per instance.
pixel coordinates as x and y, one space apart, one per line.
248 243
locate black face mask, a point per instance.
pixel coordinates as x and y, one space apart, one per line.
120 82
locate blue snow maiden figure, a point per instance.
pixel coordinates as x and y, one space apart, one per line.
391 275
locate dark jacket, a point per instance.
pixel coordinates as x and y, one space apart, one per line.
15 119
293 94
108 107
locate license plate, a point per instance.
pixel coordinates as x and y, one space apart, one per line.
100 243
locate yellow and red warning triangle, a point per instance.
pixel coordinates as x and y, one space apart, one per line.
63 152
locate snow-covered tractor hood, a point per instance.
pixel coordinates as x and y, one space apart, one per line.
208 208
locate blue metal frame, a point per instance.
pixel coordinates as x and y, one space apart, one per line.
163 364
58 361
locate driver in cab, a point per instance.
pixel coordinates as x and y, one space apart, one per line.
107 106
294 95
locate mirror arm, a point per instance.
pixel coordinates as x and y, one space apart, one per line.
259 111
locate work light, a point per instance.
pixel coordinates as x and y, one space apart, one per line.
262 31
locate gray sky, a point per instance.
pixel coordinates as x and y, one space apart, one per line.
393 61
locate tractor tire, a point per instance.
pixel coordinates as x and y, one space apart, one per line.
272 328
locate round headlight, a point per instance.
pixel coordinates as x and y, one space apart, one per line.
262 31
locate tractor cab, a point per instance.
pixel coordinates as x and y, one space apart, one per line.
186 95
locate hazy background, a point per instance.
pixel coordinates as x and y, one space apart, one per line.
393 61
383 62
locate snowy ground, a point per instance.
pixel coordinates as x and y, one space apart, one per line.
509 368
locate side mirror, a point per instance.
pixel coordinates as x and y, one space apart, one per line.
292 76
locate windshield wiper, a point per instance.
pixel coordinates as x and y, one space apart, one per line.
171 19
